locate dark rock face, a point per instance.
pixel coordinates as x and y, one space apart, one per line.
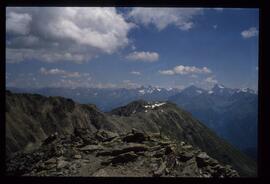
135 136
85 133
116 158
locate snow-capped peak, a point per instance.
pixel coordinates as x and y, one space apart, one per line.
246 90
220 86
142 91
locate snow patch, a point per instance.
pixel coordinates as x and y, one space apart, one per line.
154 105
142 91
210 92
246 90
150 91
220 86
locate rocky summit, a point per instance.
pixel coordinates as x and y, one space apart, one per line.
134 154
55 136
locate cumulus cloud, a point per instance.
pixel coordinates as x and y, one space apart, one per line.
62 73
211 80
167 72
18 23
251 32
54 71
135 73
184 70
208 82
53 34
143 56
163 17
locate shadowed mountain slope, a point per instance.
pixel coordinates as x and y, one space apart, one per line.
31 119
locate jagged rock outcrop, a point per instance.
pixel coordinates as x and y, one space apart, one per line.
155 157
31 119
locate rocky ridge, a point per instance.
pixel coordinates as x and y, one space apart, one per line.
31 119
105 153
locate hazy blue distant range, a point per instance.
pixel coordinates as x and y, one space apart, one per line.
231 113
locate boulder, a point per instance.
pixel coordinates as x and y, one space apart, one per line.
125 149
91 148
160 170
135 136
185 156
169 149
62 164
123 158
159 153
190 169
101 173
104 135
202 159
50 139
50 161
77 156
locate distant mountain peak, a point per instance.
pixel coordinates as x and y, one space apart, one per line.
192 91
246 90
218 87
193 87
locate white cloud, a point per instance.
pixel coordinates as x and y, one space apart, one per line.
135 73
54 34
62 73
54 71
163 17
18 23
167 72
251 32
215 26
211 80
183 70
143 56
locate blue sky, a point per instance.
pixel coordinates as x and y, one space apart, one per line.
130 47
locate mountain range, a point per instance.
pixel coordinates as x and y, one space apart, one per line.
231 113
35 124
